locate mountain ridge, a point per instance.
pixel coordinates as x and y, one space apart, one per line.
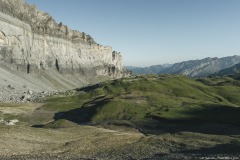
203 67
146 70
192 68
232 71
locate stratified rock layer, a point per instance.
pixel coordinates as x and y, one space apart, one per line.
31 40
40 55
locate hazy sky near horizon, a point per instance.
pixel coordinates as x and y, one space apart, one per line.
149 32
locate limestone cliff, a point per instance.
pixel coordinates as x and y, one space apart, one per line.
31 40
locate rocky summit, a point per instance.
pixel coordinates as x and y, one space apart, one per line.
38 53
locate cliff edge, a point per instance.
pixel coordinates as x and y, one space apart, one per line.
33 44
31 39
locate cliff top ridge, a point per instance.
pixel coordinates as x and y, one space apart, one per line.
42 23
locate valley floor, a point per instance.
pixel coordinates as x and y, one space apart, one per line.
74 141
88 142
136 118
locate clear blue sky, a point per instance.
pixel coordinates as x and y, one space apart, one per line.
149 32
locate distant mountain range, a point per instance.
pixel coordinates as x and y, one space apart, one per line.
146 70
192 68
234 70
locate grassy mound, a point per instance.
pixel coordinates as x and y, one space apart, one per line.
162 98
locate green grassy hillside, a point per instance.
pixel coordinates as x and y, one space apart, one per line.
159 98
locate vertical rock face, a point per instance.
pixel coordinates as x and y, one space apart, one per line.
31 40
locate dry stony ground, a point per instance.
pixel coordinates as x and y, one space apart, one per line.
22 141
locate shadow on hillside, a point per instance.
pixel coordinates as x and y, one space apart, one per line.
85 113
211 119
158 127
89 88
215 113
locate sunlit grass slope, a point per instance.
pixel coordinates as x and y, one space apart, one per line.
162 98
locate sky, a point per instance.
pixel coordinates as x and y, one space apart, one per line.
151 32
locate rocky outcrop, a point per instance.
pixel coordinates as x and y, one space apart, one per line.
31 40
9 122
